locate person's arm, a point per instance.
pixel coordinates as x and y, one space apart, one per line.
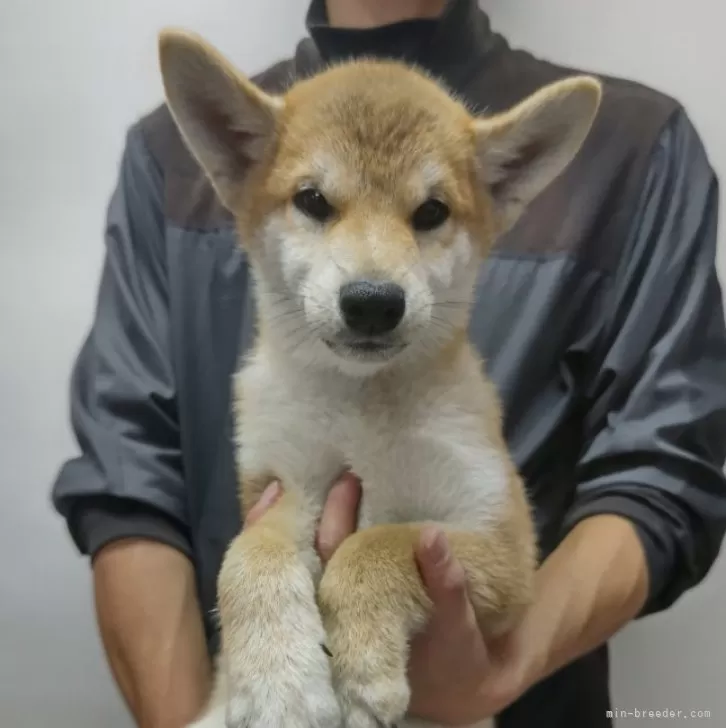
588 589
649 515
124 496
654 433
151 627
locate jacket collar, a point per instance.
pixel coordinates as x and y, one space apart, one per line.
450 47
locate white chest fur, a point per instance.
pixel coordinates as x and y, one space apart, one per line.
420 447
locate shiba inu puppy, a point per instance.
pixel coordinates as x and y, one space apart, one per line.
366 198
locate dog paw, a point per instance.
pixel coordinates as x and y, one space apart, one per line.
380 703
312 710
294 690
276 671
370 675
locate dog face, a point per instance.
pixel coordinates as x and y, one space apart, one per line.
366 196
373 223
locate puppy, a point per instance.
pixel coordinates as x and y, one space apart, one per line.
366 198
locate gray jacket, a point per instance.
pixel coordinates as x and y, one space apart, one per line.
599 316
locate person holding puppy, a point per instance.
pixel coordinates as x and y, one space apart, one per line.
601 322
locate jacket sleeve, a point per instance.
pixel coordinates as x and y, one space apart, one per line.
127 480
655 429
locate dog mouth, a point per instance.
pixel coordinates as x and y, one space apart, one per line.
368 349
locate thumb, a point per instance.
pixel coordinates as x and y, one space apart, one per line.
444 578
267 500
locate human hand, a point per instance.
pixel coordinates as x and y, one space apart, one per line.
339 517
455 677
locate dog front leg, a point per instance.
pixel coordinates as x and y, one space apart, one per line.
273 662
373 601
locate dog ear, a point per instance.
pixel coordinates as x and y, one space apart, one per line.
521 151
226 121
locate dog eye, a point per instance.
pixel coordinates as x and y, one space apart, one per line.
430 215
312 203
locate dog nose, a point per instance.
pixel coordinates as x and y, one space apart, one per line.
372 308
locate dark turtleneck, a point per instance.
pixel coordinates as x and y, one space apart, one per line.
448 46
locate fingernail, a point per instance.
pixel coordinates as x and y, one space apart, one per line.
436 547
348 478
271 494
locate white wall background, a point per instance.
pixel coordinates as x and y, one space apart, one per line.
73 76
